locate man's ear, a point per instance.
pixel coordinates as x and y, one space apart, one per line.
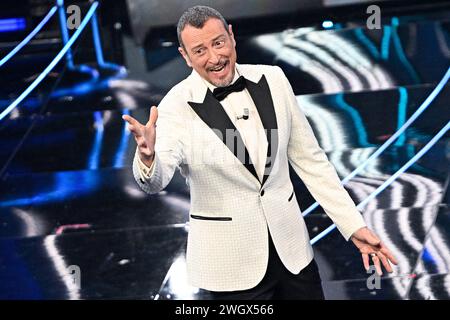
185 56
230 32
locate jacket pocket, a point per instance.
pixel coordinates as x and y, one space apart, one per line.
193 216
291 196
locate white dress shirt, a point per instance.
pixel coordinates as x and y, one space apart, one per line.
252 129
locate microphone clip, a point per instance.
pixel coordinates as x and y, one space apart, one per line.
245 116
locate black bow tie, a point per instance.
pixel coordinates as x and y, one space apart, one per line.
220 93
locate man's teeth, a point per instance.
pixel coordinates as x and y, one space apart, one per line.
219 68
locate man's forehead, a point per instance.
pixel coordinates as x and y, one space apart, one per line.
212 29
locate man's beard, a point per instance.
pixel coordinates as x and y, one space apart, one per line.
225 82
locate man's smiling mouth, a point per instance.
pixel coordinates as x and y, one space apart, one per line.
219 67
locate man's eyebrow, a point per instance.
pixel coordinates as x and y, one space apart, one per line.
218 37
201 45
197 47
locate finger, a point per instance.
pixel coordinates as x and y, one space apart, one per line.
376 262
134 130
130 120
389 255
153 116
385 262
133 125
141 143
366 263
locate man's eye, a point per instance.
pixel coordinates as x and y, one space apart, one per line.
219 43
199 51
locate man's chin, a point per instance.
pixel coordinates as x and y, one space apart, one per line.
222 82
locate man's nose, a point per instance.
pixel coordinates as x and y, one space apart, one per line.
214 57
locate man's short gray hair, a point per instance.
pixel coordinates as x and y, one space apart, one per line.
196 17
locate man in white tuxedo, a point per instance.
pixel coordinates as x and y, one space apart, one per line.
232 130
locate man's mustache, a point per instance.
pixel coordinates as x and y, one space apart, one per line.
221 63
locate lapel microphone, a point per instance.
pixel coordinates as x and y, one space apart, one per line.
245 115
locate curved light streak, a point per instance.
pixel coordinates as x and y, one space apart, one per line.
52 64
398 133
391 179
61 267
29 37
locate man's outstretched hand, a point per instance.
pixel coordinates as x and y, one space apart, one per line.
145 135
371 247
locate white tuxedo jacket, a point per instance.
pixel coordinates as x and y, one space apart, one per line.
231 209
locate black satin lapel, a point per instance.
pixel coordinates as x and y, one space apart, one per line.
262 98
213 114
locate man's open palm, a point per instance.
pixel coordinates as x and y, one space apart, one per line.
145 135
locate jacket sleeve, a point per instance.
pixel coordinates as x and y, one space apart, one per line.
168 149
312 166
